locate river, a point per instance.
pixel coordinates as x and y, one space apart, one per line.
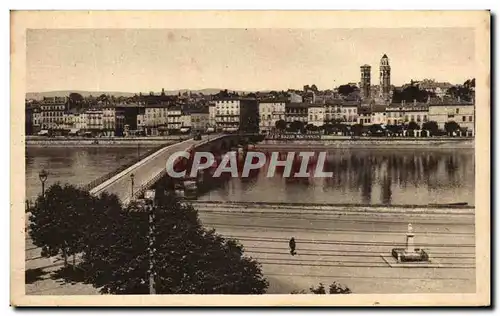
360 176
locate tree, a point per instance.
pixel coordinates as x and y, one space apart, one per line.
188 259
296 126
376 129
310 127
451 127
280 125
413 126
431 126
357 129
334 288
56 220
346 89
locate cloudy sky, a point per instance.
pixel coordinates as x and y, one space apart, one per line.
133 60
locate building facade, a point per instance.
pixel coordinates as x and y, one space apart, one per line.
461 113
316 114
237 114
270 111
174 119
296 112
404 113
52 113
350 113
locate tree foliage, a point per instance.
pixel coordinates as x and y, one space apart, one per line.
346 89
413 126
188 259
280 125
431 126
334 288
56 220
296 126
451 127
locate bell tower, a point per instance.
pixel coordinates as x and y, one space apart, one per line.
385 77
365 82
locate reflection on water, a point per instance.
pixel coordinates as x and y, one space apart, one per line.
73 165
359 176
365 176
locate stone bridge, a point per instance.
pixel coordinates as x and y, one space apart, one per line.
133 181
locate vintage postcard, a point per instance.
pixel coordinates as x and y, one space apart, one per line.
245 158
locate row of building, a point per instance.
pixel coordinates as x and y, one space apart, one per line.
351 113
238 114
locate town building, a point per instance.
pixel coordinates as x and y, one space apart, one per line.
186 119
237 114
365 115
200 119
95 123
296 112
379 114
52 113
404 113
174 119
37 119
271 111
155 119
316 114
295 98
463 113
211 114
350 112
333 111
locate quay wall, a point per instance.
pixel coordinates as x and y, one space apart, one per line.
369 143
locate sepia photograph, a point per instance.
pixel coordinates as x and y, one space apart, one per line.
283 156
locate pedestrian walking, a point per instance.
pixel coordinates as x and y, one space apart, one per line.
291 243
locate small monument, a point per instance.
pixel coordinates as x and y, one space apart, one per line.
410 253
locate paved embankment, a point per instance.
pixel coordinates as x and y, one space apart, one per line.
409 143
334 243
101 141
344 244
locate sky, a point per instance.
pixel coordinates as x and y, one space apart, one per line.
143 60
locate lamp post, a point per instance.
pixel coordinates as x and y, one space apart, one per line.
131 186
149 196
43 177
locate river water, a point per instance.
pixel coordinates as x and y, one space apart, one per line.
366 176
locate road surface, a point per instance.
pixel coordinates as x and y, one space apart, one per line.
332 245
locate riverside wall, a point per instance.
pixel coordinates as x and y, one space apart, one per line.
100 142
408 143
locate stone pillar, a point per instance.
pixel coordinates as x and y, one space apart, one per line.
410 247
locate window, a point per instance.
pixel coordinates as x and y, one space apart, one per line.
425 118
457 111
470 118
418 118
406 118
464 118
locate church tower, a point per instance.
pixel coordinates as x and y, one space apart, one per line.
385 77
365 82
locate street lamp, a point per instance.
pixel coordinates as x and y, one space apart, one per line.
149 196
132 185
43 177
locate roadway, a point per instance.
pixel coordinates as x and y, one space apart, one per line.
144 170
332 245
346 248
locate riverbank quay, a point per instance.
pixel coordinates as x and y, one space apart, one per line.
335 242
346 244
369 142
38 141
